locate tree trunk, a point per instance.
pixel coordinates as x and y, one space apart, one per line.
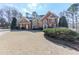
73 18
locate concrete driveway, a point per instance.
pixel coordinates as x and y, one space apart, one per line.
30 42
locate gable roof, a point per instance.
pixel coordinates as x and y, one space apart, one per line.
49 14
24 19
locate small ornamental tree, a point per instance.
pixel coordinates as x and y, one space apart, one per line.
63 22
13 23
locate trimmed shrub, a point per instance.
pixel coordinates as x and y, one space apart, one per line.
61 33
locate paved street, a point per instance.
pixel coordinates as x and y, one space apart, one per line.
30 42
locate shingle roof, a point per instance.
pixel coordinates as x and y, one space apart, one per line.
22 19
48 14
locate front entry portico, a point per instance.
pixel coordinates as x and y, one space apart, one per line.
24 26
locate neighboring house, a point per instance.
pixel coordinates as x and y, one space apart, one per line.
41 21
37 22
34 20
49 20
24 23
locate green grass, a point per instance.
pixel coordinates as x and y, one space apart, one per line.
62 33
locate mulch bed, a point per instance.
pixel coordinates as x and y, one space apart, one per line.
73 45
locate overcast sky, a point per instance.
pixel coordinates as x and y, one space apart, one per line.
40 8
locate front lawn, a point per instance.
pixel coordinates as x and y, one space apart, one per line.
62 34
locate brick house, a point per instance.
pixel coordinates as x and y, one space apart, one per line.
24 23
49 20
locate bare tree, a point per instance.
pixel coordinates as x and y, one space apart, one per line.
14 12
19 15
11 12
1 13
73 11
8 15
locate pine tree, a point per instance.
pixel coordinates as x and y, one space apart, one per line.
13 24
63 22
